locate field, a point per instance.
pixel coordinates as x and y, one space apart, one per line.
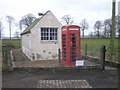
13 42
6 54
93 46
96 44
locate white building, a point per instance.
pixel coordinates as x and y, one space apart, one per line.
42 39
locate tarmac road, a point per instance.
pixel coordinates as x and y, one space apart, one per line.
29 79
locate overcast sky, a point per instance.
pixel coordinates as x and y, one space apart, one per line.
91 10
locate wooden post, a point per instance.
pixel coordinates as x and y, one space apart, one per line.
6 55
86 47
4 51
59 56
103 50
112 41
3 55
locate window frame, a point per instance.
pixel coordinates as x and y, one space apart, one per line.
51 31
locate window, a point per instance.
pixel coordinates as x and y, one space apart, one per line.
49 34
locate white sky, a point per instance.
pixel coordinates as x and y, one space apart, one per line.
92 10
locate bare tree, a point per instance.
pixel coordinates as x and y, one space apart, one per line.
91 34
84 25
20 26
10 21
97 27
118 24
67 19
107 26
17 34
1 29
27 20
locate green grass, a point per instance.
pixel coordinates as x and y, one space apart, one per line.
94 46
6 56
12 42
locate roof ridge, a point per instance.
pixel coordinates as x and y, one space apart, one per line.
28 29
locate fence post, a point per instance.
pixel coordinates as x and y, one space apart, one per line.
59 56
103 50
4 51
86 47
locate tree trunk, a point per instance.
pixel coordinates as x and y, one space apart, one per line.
98 33
10 30
0 34
105 33
83 34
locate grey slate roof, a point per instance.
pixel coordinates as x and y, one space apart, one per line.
28 29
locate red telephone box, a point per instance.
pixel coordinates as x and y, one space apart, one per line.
70 45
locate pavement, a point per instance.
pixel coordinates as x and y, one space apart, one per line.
50 78
43 78
20 60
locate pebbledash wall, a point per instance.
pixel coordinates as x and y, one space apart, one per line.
32 45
